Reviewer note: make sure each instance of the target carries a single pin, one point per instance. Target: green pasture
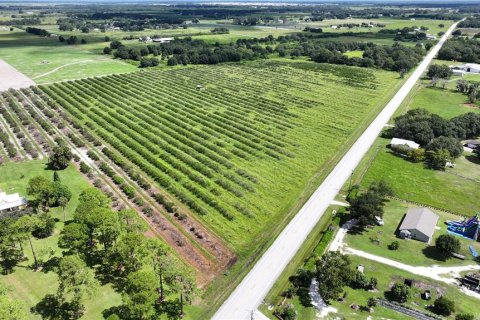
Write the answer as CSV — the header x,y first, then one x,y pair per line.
x,y
447,103
432,25
47,60
354,54
25,284
453,189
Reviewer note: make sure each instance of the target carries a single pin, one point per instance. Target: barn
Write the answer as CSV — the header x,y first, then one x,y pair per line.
x,y
419,224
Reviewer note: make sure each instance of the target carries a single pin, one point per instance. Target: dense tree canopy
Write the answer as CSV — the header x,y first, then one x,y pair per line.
x,y
446,245
444,306
366,206
60,157
333,272
459,49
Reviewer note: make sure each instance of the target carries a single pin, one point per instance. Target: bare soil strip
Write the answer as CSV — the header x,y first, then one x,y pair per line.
x,y
12,78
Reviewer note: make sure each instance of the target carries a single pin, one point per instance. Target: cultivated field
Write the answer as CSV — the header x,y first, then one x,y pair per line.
x,y
238,153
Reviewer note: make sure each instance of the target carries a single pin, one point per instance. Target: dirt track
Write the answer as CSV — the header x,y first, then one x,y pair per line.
x,y
12,78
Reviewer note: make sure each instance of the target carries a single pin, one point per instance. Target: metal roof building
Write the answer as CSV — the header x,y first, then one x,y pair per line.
x,y
11,202
419,224
400,142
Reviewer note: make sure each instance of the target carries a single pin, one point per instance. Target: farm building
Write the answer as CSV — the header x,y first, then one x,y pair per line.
x,y
11,202
472,144
467,67
162,40
419,224
401,142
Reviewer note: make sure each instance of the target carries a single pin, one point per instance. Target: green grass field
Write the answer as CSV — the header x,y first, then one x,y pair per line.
x,y
412,181
26,285
446,102
47,60
432,25
411,252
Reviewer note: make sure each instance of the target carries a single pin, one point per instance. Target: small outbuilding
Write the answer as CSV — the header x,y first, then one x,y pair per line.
x,y
419,224
472,144
11,202
400,142
468,67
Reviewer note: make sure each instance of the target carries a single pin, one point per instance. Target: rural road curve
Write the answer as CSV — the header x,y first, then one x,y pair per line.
x,y
254,287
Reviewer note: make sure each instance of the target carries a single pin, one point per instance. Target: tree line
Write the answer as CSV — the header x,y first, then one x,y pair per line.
x,y
439,138
460,49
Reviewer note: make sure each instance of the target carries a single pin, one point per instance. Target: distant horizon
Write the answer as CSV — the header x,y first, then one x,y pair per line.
x,y
236,2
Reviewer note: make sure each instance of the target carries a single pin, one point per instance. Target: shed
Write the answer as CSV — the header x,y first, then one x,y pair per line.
x,y
400,142
11,202
469,67
419,224
472,144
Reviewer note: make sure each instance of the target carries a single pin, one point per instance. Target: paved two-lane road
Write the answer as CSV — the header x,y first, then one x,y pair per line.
x,y
255,286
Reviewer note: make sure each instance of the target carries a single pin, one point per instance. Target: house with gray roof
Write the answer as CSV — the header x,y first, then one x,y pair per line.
x,y
419,224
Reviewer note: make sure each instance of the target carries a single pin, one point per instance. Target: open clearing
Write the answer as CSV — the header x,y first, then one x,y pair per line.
x,y
12,78
35,56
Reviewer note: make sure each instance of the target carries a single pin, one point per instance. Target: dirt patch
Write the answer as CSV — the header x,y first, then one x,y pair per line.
x,y
12,78
471,106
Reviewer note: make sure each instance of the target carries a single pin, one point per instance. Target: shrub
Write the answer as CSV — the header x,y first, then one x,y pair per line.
x,y
447,244
444,306
464,316
400,292
84,168
128,190
394,245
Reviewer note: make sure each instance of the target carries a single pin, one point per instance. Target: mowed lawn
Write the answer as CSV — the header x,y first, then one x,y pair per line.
x,y
26,285
47,60
447,103
454,189
411,252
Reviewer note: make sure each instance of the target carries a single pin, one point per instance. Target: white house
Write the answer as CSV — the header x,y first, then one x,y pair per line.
x,y
401,142
11,202
419,224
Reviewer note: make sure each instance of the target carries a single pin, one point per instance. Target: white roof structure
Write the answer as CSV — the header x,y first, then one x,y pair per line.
x,y
162,40
9,201
410,143
468,67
